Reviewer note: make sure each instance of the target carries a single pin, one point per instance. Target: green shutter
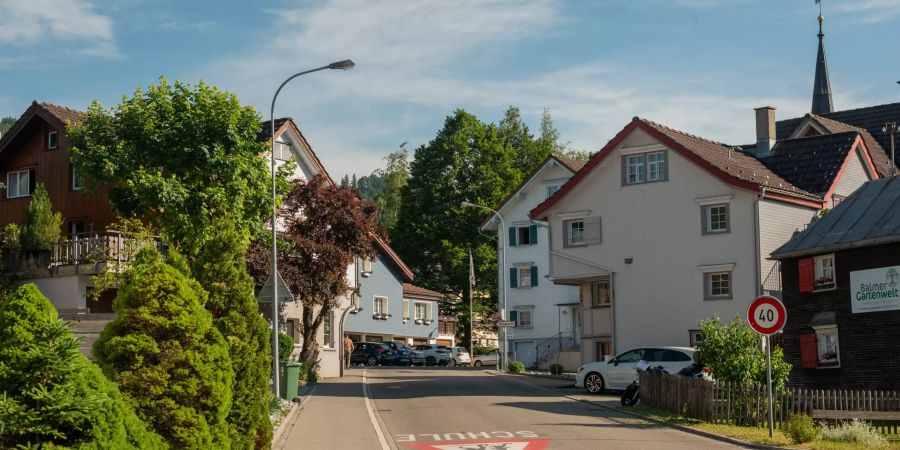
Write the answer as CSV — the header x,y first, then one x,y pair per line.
x,y
533,276
513,282
532,234
512,236
513,316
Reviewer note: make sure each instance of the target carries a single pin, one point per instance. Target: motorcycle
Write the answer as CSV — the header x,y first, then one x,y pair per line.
x,y
633,392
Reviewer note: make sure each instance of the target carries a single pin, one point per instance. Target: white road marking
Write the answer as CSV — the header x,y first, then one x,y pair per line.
x,y
381,439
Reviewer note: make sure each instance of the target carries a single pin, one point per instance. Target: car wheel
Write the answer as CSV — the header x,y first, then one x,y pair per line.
x,y
370,361
477,363
593,383
452,363
443,363
430,361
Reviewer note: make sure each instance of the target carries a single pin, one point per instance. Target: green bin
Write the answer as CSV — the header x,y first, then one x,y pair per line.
x,y
290,374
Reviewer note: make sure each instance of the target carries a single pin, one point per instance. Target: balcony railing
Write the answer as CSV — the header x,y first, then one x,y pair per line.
x,y
772,283
92,248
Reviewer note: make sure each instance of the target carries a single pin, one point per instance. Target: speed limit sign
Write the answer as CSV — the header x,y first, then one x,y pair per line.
x,y
766,315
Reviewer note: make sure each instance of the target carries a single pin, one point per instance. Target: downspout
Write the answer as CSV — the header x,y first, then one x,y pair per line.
x,y
344,315
756,240
612,312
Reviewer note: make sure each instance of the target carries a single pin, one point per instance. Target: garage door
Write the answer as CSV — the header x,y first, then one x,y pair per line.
x,y
445,342
525,352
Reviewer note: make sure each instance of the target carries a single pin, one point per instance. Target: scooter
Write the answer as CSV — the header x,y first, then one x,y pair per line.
x,y
632,393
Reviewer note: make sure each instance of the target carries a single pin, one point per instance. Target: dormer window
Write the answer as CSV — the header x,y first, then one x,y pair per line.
x,y
52,140
645,168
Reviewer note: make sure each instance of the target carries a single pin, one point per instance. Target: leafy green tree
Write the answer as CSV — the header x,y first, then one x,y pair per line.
x,y
41,228
395,176
221,269
50,394
6,123
166,356
734,354
516,135
178,156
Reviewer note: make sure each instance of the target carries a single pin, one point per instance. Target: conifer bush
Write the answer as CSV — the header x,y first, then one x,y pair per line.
x,y
50,394
166,356
221,269
41,228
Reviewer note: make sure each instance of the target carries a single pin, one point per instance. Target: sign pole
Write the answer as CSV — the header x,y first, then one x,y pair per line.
x,y
769,381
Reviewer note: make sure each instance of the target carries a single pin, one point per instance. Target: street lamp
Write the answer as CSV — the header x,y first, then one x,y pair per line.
x,y
892,129
346,64
501,256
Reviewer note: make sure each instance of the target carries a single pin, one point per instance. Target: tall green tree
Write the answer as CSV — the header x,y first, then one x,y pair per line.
x,y
222,270
41,228
395,176
178,156
166,356
50,394
6,123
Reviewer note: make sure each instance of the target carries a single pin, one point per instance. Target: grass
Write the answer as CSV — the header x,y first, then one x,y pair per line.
x,y
747,434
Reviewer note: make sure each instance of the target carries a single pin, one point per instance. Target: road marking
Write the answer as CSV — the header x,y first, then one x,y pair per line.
x,y
365,387
494,444
466,435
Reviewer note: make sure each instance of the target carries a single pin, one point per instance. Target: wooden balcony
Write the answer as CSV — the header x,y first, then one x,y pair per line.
x,y
83,253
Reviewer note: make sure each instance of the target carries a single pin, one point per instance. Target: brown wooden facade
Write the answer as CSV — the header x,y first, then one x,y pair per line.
x,y
25,147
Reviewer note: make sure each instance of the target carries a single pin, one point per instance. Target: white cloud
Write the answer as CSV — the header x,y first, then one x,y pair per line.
x,y
71,24
869,11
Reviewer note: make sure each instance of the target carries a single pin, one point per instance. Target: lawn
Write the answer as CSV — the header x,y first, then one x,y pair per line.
x,y
748,434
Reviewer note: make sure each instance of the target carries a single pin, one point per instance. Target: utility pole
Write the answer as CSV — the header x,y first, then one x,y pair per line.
x,y
471,308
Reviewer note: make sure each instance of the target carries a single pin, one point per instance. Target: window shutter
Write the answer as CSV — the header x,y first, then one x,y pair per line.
x,y
512,236
566,229
592,230
532,234
513,275
428,314
534,275
809,351
32,181
805,274
514,316
405,309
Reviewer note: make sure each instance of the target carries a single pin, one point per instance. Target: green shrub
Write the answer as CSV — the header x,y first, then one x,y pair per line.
x,y
733,353
515,367
800,428
50,394
556,369
166,355
41,228
855,432
483,350
285,347
312,374
10,239
221,270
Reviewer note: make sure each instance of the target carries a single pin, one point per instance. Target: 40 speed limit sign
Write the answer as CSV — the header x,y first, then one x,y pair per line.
x,y
766,315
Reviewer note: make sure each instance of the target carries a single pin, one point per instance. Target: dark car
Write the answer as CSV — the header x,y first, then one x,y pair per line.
x,y
371,353
400,354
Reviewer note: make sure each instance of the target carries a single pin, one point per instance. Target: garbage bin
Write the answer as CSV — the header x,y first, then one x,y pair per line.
x,y
290,374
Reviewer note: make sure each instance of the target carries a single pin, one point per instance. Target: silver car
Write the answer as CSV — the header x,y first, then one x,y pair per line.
x,y
487,359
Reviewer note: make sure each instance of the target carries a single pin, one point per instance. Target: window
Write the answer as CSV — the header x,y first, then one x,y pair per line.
x,y
523,317
602,349
827,346
289,329
380,306
576,232
551,190
696,337
628,357
600,293
526,235
52,140
422,311
77,180
824,272
717,285
18,184
76,227
283,152
645,168
525,276
715,219
327,326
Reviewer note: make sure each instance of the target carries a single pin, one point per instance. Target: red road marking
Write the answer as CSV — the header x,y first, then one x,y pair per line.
x,y
490,444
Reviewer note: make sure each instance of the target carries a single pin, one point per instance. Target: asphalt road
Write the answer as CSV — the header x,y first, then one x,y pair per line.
x,y
459,408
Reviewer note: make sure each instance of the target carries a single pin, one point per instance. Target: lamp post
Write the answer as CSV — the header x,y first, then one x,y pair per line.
x,y
504,355
346,64
892,129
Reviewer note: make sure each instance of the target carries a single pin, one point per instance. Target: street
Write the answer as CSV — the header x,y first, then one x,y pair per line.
x,y
460,408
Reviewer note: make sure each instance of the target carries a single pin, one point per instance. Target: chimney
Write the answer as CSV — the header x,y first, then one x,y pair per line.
x,y
765,131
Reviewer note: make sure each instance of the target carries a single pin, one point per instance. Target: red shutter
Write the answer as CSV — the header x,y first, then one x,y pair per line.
x,y
805,273
809,351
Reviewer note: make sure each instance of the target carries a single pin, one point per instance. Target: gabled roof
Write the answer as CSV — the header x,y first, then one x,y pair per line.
x,y
813,163
58,116
416,292
282,125
568,163
730,164
880,158
870,216
389,253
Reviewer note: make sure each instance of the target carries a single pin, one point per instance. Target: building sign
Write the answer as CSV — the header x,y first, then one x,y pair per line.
x,y
875,290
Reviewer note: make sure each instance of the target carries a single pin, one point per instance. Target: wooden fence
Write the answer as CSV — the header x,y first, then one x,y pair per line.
x,y
732,403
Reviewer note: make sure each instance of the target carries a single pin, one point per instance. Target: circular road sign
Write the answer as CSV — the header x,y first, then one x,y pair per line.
x,y
766,315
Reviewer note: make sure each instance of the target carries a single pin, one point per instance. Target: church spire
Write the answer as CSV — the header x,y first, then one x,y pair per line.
x,y
821,101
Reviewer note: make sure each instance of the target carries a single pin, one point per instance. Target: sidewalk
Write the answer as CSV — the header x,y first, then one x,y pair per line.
x,y
335,417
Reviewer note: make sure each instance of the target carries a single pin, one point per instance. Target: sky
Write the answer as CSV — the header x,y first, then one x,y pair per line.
x,y
696,65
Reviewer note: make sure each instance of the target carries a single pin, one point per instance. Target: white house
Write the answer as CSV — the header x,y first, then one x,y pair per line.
x,y
545,313
662,229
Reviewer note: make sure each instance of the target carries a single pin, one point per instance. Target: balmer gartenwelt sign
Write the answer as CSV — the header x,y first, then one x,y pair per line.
x,y
875,289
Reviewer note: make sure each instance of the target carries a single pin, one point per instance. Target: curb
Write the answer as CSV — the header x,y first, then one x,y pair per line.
x,y
564,376
288,421
686,429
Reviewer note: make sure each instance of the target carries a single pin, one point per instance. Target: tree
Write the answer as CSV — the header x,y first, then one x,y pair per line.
x,y
41,228
166,356
178,156
50,394
516,135
6,123
325,227
395,177
221,269
734,354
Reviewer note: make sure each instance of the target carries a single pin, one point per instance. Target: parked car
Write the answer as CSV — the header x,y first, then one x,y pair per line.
x,y
400,354
459,356
418,357
371,353
434,354
619,371
487,359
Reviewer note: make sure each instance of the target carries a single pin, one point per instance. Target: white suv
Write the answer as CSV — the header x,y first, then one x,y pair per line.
x,y
459,356
619,372
434,354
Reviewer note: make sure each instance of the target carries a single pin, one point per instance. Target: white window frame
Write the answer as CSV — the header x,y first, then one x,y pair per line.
x,y
646,167
526,233
383,301
659,167
571,224
822,266
552,190
524,273
709,280
52,143
18,183
280,151
827,342
597,300
712,226
424,311
524,312
636,169
328,330
695,337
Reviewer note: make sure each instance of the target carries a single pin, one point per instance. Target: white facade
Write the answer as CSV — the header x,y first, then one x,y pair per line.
x,y
546,313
